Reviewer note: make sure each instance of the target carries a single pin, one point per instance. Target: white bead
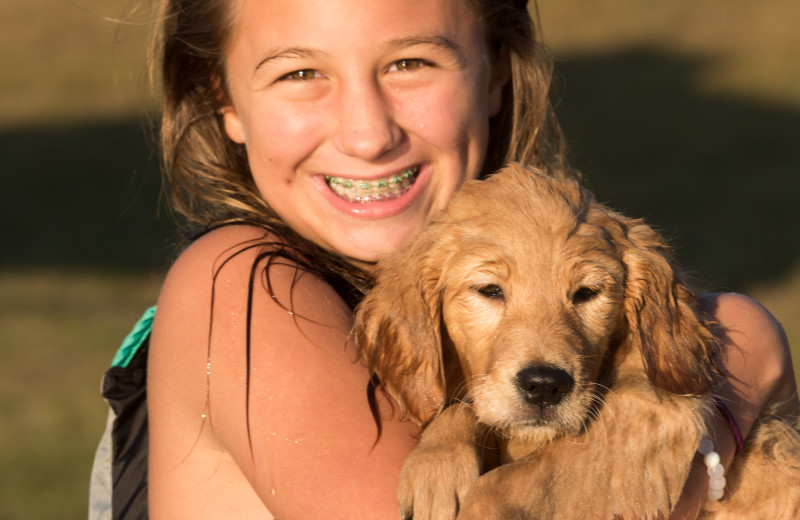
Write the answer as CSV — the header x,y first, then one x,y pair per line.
x,y
716,478
716,471
717,483
711,459
706,446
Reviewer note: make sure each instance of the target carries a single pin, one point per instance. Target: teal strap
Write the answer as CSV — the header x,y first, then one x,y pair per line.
x,y
135,339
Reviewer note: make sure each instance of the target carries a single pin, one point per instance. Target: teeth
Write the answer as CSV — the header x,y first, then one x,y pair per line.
x,y
373,191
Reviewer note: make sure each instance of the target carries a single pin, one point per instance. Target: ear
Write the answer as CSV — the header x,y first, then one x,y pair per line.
x,y
230,116
498,79
674,340
398,333
233,125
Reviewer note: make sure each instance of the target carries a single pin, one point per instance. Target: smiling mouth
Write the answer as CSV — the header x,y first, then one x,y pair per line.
x,y
376,190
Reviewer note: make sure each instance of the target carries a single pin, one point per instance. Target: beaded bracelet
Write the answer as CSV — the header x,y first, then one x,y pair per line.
x,y
716,473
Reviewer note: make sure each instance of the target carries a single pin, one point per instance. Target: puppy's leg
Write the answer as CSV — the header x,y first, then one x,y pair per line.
x,y
438,473
514,491
567,481
632,463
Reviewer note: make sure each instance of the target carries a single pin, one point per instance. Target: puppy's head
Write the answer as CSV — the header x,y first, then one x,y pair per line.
x,y
534,285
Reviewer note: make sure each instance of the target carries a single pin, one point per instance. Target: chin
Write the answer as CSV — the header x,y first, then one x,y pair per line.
x,y
371,247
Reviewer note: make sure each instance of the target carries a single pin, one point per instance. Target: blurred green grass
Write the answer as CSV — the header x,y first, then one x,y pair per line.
x,y
684,112
59,332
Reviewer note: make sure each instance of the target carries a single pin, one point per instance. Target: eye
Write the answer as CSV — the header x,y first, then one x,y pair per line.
x,y
408,65
301,75
585,294
491,291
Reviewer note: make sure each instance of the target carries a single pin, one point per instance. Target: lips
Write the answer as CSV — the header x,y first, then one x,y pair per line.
x,y
374,190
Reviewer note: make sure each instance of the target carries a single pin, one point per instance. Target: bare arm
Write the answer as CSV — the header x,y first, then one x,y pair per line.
x,y
756,362
305,446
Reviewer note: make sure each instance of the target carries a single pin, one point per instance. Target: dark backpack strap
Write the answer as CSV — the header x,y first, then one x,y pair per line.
x,y
125,389
118,489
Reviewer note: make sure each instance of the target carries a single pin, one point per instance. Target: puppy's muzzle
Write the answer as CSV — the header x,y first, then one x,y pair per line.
x,y
543,386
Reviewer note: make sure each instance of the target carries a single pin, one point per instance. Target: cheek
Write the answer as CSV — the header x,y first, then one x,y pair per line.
x,y
599,321
281,136
290,120
599,325
446,117
471,328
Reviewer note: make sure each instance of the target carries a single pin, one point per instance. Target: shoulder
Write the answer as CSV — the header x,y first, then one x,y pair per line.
x,y
220,327
223,269
229,284
206,288
215,261
228,309
754,350
203,260
232,307
743,316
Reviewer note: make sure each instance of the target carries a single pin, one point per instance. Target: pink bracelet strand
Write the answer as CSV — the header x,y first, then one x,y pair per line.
x,y
737,433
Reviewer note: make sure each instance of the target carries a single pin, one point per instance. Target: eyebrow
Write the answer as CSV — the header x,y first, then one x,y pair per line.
x,y
290,52
399,43
436,40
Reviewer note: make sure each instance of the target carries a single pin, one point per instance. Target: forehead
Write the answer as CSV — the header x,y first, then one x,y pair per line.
x,y
348,23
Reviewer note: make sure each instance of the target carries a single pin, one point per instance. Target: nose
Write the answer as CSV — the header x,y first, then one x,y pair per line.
x,y
544,385
367,128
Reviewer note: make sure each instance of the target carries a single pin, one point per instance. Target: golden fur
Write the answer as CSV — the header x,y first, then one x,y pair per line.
x,y
575,359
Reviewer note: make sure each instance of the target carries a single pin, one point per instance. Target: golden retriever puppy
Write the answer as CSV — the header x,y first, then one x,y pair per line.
x,y
558,363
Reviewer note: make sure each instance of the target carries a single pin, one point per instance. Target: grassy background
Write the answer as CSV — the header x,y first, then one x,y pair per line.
x,y
685,112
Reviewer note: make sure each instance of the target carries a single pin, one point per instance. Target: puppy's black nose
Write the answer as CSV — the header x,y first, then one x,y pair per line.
x,y
543,385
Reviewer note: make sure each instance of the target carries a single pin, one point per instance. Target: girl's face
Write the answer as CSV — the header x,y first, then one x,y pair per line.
x,y
361,118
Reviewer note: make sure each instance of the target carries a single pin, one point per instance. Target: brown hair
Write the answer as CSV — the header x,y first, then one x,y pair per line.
x,y
207,175
526,129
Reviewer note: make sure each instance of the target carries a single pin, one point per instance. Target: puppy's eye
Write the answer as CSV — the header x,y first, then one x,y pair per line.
x,y
492,291
585,294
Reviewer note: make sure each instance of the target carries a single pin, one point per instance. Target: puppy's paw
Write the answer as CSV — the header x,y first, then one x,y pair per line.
x,y
438,473
435,479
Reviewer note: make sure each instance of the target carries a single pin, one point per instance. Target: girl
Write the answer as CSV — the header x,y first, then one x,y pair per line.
x,y
307,138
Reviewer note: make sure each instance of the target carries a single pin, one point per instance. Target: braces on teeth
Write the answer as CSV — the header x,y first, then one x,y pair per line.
x,y
365,191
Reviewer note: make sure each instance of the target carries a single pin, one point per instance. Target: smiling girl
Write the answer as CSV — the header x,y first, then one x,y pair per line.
x,y
304,139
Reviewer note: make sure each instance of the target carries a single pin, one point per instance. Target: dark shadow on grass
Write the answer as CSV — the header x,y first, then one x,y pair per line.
x,y
82,195
719,175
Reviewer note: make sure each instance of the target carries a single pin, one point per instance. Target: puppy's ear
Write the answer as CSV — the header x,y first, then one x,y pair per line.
x,y
674,340
397,330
